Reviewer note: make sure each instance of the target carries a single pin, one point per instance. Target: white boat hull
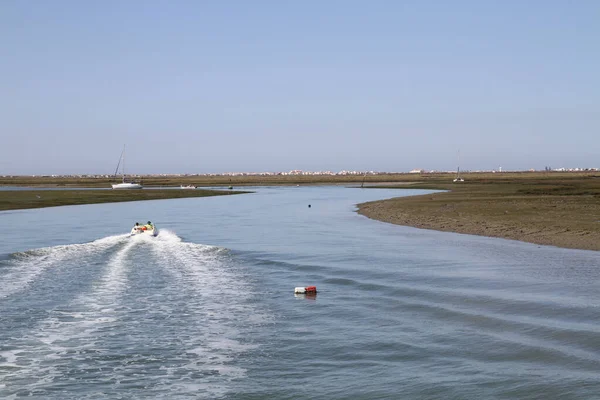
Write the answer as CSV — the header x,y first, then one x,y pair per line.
x,y
139,230
126,185
188,187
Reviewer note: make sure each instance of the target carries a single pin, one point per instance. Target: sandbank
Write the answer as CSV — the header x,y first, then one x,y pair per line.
x,y
563,214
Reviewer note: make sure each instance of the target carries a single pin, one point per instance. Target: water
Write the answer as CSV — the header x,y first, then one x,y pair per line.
x,y
207,310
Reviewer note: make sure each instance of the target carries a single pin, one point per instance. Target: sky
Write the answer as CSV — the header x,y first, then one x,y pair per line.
x,y
224,86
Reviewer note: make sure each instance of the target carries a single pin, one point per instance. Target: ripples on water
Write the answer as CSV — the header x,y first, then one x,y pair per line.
x,y
400,313
123,315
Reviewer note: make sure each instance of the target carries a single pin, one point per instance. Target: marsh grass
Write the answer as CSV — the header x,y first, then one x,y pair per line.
x,y
426,180
20,199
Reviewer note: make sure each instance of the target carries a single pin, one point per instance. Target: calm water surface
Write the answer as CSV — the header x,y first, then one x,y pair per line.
x,y
207,310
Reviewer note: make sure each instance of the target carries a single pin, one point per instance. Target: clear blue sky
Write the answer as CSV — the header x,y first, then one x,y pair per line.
x,y
216,86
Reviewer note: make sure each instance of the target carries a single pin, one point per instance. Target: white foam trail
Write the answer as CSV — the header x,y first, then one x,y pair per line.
x,y
24,267
67,336
220,294
208,332
113,282
198,266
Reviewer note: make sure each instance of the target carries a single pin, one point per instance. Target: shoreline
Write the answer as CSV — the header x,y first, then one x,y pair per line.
x,y
557,209
561,221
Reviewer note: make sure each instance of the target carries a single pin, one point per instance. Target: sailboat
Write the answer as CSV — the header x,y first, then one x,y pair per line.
x,y
458,178
124,185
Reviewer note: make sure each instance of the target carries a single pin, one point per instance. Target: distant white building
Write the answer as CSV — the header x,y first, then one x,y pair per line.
x,y
416,171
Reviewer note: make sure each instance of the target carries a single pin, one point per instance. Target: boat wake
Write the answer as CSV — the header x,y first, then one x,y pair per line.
x,y
154,307
21,269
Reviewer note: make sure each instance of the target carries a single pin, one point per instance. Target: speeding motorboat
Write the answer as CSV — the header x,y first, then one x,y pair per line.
x,y
148,229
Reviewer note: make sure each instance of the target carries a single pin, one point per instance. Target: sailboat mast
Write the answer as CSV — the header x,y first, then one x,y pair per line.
x,y
120,161
123,163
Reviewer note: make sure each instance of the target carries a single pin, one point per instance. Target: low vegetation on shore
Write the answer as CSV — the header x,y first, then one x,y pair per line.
x,y
21,199
210,180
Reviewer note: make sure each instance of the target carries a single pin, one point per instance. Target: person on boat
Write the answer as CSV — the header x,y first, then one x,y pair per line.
x,y
149,225
137,226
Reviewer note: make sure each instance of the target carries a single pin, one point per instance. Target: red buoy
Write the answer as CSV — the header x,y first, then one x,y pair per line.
x,y
306,290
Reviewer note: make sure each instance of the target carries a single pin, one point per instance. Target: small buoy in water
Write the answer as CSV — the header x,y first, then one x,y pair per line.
x,y
309,206
306,290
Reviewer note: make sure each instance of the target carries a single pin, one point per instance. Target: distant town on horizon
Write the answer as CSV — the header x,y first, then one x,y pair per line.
x,y
297,172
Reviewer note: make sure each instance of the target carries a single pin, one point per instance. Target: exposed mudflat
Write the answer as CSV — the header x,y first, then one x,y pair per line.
x,y
563,221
